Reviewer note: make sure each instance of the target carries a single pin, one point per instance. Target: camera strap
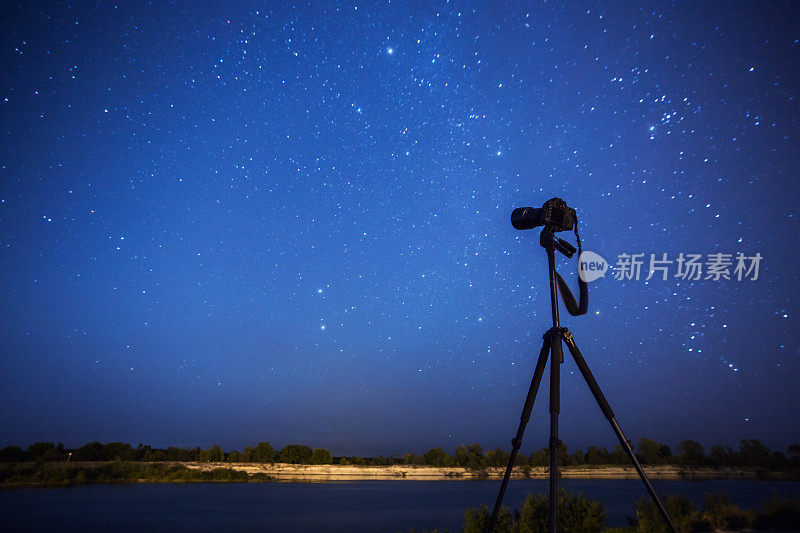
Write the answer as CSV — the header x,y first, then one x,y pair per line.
x,y
572,306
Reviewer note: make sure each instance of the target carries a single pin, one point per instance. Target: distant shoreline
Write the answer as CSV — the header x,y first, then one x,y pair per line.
x,y
64,474
326,473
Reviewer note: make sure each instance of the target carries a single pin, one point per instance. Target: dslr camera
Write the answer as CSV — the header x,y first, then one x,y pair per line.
x,y
555,215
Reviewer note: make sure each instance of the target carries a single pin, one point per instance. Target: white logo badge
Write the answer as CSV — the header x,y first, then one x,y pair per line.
x,y
591,266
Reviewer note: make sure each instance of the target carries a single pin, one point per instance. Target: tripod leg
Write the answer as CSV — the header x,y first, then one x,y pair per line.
x,y
526,415
557,357
609,414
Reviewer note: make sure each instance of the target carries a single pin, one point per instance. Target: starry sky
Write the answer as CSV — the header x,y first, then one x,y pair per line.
x,y
233,222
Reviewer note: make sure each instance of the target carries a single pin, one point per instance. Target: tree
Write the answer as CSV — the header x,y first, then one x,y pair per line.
x,y
192,454
521,460
143,453
44,451
690,453
247,455
155,455
12,454
118,451
321,456
216,454
794,454
652,452
263,453
461,455
575,458
618,456
794,451
91,451
437,457
497,457
295,453
475,458
540,457
720,456
597,456
753,453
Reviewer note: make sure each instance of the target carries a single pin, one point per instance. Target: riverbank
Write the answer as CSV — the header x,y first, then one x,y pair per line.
x,y
327,473
57,474
64,474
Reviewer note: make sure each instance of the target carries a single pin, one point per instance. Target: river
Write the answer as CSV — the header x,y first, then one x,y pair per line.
x,y
382,506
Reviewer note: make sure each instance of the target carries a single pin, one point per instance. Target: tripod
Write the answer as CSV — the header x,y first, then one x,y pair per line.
x,y
552,349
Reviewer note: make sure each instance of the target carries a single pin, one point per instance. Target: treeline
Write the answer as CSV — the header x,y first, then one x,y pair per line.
x,y
751,454
262,452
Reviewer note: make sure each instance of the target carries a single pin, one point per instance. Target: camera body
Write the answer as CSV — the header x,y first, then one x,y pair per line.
x,y
555,215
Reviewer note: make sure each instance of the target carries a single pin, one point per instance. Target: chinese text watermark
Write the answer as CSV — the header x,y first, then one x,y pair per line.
x,y
686,266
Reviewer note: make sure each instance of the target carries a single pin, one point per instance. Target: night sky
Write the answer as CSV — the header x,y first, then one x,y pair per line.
x,y
226,224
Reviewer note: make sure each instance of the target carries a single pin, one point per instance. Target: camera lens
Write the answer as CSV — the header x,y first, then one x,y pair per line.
x,y
526,217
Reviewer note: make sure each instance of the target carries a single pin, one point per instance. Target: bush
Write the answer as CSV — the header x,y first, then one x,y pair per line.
x,y
680,510
576,514
721,514
779,514
477,520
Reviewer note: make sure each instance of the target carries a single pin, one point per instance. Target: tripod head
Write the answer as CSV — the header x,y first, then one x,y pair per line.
x,y
550,242
558,243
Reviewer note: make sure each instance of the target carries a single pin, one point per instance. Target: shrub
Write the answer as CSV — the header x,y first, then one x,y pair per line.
x,y
721,514
779,514
682,512
477,520
576,514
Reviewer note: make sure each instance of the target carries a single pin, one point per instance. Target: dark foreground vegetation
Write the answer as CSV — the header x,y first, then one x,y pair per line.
x,y
66,474
577,513
751,454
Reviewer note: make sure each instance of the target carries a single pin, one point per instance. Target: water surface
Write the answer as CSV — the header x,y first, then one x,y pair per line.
x,y
382,506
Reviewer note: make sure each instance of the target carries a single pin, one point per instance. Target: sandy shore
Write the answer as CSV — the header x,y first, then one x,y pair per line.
x,y
292,472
